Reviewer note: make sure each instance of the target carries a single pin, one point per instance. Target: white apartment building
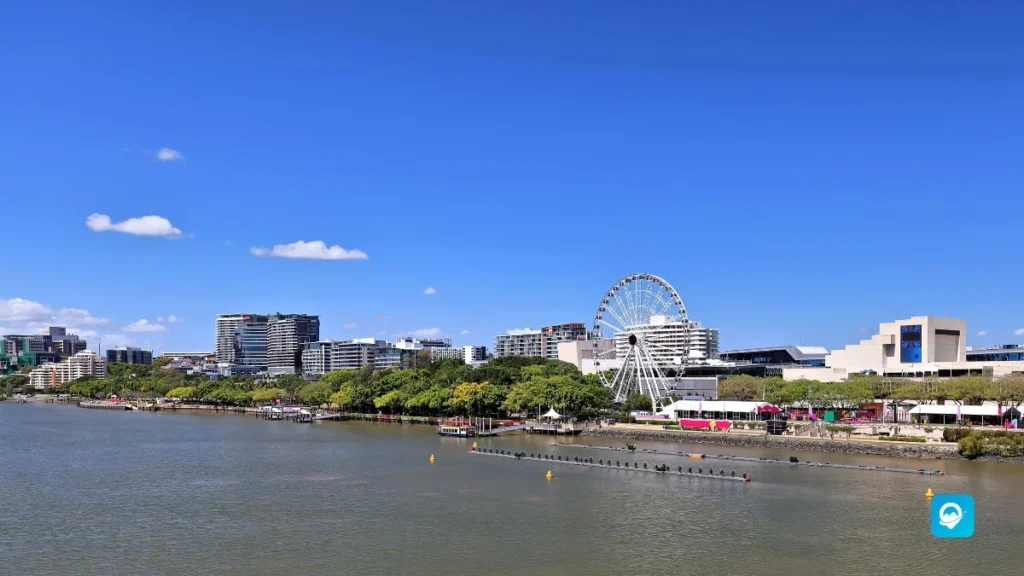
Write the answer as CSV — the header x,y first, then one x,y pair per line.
x,y
354,354
448,353
316,358
524,342
674,342
85,363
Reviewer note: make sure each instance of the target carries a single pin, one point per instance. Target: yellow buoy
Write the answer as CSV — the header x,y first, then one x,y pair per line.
x,y
431,457
549,475
474,445
929,493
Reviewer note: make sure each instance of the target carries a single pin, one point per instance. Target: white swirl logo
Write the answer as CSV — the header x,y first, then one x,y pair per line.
x,y
950,515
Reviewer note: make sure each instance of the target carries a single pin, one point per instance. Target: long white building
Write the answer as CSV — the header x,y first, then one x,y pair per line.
x,y
918,346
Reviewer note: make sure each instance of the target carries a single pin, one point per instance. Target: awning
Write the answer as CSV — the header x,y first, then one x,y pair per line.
x,y
552,414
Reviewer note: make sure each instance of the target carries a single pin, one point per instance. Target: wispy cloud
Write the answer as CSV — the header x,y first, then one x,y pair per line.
x,y
465,332
32,314
426,332
430,291
143,226
1018,332
382,317
350,325
171,319
315,250
982,333
169,155
144,325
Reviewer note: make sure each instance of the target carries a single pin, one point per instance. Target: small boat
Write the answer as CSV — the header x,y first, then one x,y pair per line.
x,y
304,416
456,428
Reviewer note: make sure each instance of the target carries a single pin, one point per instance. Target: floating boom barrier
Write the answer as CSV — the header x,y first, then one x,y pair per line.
x,y
792,459
634,466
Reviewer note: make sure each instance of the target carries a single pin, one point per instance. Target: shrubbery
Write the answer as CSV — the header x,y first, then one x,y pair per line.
x,y
991,443
954,434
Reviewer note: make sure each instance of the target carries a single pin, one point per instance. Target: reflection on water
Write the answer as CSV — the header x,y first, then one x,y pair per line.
x,y
98,493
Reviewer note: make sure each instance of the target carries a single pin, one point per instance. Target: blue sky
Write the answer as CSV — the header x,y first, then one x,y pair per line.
x,y
799,171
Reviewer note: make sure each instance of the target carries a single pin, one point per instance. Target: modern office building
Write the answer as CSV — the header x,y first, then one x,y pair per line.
x,y
524,342
392,357
85,363
316,358
196,356
778,356
129,355
552,335
286,333
474,354
63,343
356,353
1004,353
242,339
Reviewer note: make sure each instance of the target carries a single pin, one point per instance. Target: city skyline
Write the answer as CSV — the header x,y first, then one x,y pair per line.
x,y
448,170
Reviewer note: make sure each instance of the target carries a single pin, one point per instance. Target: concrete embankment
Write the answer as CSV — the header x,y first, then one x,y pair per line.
x,y
898,450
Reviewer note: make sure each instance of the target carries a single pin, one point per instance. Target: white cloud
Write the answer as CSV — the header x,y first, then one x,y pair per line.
x,y
15,310
426,332
78,317
173,319
982,333
1018,332
144,226
144,325
465,332
315,250
19,312
108,341
430,291
169,155
350,325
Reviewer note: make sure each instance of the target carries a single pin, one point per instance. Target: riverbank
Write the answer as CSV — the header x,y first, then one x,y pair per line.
x,y
891,449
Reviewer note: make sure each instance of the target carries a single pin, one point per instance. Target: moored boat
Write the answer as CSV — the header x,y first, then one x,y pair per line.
x,y
456,428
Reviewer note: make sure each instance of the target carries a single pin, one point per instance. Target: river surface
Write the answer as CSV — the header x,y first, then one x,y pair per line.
x,y
91,492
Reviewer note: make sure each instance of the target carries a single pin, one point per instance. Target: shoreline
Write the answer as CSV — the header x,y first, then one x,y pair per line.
x,y
889,449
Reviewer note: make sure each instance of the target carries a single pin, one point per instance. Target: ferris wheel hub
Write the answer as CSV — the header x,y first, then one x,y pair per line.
x,y
632,339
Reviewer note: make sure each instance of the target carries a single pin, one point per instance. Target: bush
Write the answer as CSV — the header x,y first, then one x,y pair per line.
x,y
991,442
928,429
902,438
970,446
955,434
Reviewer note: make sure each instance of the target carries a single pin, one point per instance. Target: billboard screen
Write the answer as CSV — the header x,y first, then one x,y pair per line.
x,y
910,343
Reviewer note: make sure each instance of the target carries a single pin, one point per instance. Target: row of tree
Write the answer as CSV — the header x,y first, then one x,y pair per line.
x,y
1007,390
446,387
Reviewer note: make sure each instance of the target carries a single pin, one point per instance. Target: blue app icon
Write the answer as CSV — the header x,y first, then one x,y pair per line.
x,y
952,515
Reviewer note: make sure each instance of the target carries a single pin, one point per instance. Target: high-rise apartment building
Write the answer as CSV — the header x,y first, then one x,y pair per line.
x,y
524,342
286,333
552,335
703,341
37,349
129,355
242,339
471,354
446,353
541,343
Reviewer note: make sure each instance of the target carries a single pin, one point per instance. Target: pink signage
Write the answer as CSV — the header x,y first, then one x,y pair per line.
x,y
705,424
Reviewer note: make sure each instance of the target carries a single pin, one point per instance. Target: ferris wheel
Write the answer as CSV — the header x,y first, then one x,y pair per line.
x,y
641,337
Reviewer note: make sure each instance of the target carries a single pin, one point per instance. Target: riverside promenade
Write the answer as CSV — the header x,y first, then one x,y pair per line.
x,y
942,451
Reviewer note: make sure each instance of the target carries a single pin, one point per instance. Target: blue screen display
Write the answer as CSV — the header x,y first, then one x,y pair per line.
x,y
910,343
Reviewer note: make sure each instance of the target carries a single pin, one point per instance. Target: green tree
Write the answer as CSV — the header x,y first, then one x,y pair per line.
x,y
638,402
393,402
315,393
182,393
741,387
1008,391
264,395
434,401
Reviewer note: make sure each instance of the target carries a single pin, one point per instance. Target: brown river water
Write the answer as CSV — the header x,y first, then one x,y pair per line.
x,y
89,492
